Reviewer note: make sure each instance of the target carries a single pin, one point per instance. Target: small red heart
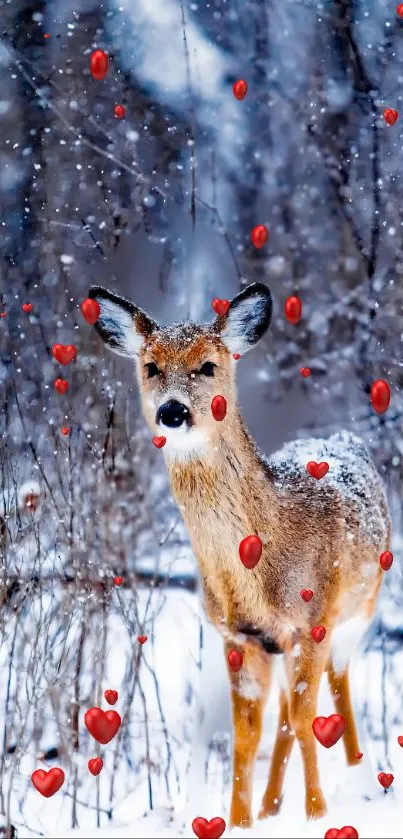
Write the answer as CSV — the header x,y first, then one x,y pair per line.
x,y
385,560
307,595
47,783
27,307
346,832
380,396
119,111
219,408
240,89
400,741
318,633
103,725
118,581
328,730
212,829
317,470
65,430
91,310
235,660
159,442
46,35
111,696
359,755
385,779
61,385
220,306
259,235
390,116
142,639
293,309
236,356
250,551
305,372
95,765
64,353
3,314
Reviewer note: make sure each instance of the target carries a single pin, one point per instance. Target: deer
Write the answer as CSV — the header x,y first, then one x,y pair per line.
x,y
323,534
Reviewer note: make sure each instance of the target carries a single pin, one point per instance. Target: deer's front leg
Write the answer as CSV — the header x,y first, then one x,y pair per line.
x,y
304,675
249,689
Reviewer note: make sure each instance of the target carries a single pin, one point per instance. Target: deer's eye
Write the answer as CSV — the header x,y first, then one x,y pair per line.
x,y
152,369
207,369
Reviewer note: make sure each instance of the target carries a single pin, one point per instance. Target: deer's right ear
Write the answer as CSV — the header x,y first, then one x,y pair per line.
x,y
122,326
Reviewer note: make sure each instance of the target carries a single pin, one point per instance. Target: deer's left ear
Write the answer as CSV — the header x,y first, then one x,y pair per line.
x,y
247,319
122,326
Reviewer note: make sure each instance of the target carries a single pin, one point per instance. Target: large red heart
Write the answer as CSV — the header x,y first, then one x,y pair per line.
x,y
317,470
385,779
328,730
47,783
212,829
64,353
346,832
103,725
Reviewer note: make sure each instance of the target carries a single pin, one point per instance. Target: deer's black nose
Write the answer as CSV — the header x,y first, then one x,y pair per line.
x,y
173,414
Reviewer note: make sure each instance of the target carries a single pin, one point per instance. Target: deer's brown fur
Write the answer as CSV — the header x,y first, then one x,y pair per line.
x,y
325,535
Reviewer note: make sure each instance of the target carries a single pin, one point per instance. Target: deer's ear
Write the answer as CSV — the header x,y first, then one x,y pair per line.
x,y
122,326
247,319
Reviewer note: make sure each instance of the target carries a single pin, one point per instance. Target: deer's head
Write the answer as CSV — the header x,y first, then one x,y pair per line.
x,y
180,368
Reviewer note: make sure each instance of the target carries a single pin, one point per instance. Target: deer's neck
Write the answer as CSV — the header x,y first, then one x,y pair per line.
x,y
229,483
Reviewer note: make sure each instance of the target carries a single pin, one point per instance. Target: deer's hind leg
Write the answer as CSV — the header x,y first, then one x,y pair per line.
x,y
284,742
249,690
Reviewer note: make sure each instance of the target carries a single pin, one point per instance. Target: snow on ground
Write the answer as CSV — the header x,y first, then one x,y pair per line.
x,y
172,651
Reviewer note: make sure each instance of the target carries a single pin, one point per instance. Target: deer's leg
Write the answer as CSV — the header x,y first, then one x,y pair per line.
x,y
340,688
249,689
304,675
284,742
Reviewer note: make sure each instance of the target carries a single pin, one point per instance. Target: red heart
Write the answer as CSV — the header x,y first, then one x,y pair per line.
x,y
64,354
305,372
111,696
385,560
47,783
250,551
235,660
236,356
385,779
400,740
159,442
307,595
346,832
318,633
91,310
219,408
27,307
220,306
390,116
359,755
142,639
212,829
65,430
328,730
103,725
61,385
95,765
118,581
317,470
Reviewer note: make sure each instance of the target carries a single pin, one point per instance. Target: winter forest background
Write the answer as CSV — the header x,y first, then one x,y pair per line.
x,y
159,206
